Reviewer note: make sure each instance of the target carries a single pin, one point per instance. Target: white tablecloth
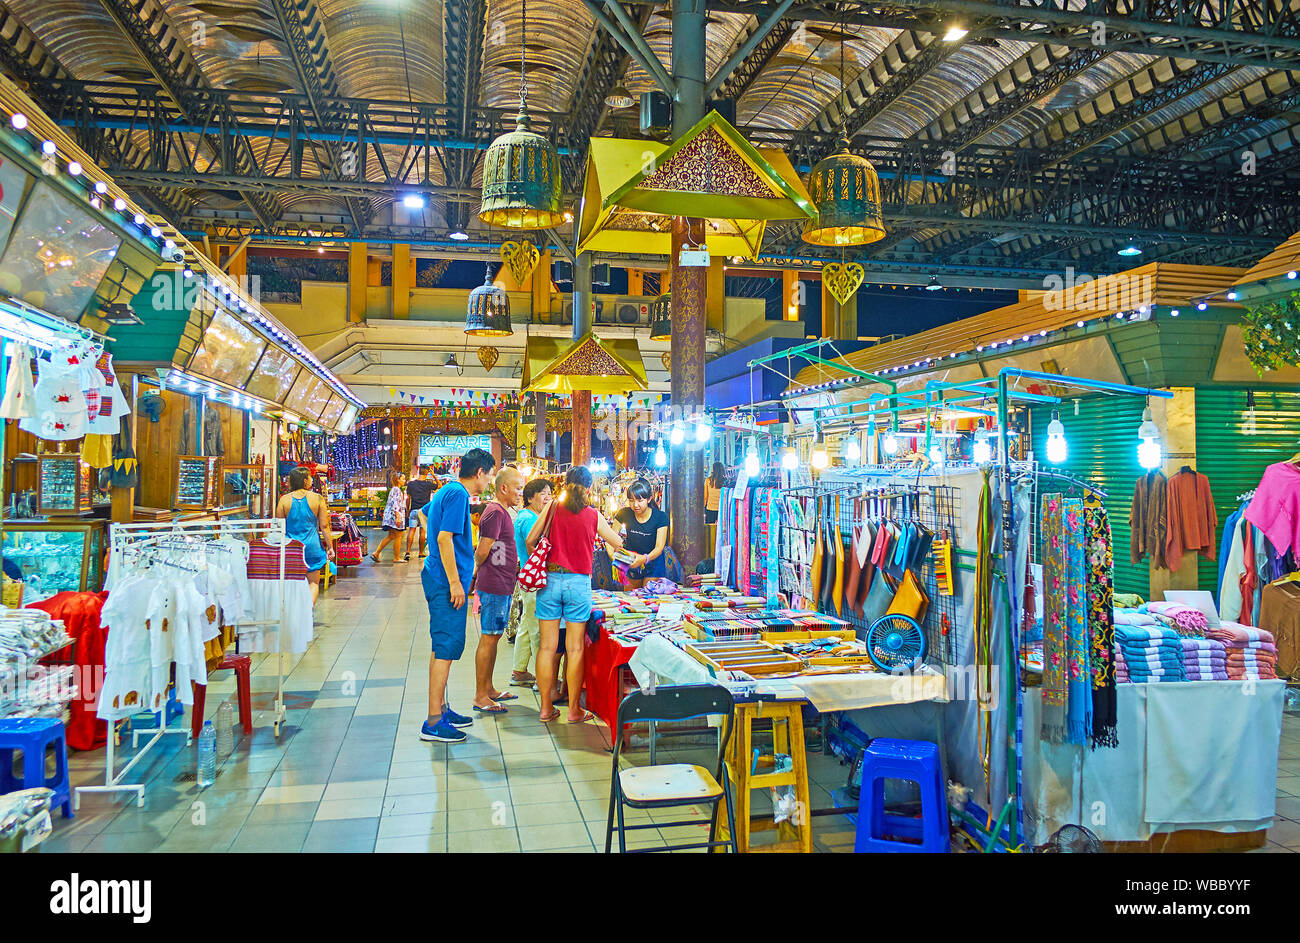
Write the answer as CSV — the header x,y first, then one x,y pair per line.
x,y
1191,755
829,692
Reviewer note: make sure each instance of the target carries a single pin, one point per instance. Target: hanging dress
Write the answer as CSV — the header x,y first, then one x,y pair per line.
x,y
264,588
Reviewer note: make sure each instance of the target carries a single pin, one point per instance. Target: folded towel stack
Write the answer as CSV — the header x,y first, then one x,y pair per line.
x,y
1251,652
1186,620
1205,659
1150,653
1121,668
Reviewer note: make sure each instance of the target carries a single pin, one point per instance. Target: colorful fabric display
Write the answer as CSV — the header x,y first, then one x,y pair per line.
x,y
1133,617
1187,621
1230,633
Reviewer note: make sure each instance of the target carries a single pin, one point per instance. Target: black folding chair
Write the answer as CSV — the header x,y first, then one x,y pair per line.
x,y
676,784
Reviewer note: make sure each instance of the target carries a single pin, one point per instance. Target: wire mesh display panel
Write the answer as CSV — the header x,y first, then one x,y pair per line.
x,y
936,509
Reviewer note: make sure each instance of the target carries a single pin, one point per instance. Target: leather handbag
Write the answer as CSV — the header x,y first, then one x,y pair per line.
x,y
879,598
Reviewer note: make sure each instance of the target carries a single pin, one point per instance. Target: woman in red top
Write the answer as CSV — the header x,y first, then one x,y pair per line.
x,y
571,524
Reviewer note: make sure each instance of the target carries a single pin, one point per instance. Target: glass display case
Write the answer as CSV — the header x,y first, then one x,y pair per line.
x,y
63,484
249,487
197,485
56,555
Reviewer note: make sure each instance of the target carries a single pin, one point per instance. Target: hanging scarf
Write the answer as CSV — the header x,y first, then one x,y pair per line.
x,y
1053,555
984,621
1077,641
1101,630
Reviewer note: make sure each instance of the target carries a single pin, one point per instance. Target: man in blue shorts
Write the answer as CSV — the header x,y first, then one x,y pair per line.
x,y
445,577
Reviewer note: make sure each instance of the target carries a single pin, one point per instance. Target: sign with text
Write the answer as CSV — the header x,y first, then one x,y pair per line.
x,y
435,447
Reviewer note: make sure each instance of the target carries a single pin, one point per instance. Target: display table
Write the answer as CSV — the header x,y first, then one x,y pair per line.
x,y
602,668
1196,755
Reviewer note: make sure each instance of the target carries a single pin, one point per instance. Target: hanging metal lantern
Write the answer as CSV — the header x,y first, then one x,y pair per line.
x,y
661,314
846,191
488,312
521,171
521,181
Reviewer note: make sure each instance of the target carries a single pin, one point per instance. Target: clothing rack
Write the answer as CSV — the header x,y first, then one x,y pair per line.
x,y
151,540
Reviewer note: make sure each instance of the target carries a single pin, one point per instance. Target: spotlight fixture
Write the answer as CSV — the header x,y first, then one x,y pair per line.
x,y
933,284
413,201
619,97
1129,250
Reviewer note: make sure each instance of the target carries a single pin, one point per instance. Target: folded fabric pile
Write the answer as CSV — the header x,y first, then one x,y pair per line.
x,y
1251,652
1205,659
1150,653
1121,667
1185,620
1132,617
1127,600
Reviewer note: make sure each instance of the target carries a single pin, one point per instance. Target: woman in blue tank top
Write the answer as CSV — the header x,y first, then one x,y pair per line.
x,y
307,520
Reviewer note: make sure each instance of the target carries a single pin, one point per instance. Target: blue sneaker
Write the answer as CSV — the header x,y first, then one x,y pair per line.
x,y
456,720
442,732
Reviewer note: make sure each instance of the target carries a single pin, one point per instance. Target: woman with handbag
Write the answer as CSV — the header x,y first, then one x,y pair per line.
x,y
566,536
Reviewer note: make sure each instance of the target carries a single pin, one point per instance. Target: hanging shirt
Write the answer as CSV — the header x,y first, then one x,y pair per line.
x,y
1275,508
1192,519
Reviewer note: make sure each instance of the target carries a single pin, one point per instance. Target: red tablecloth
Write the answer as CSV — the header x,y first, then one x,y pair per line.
x,y
603,660
80,615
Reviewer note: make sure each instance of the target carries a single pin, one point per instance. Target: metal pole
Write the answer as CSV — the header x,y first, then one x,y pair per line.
x,y
688,64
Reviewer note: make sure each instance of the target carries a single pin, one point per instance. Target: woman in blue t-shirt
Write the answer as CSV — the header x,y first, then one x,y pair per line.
x,y
647,534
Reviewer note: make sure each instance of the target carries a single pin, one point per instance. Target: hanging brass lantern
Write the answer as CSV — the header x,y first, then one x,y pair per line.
x,y
661,314
488,312
846,191
521,171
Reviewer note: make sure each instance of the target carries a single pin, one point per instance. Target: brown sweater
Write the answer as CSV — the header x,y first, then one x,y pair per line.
x,y
1147,521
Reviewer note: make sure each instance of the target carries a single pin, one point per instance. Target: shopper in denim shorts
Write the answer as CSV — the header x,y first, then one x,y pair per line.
x,y
571,524
496,568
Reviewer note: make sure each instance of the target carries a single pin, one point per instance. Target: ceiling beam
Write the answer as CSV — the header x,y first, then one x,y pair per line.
x,y
145,24
1263,33
304,34
751,67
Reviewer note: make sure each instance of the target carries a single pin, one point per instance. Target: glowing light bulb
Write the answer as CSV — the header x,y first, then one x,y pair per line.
x,y
789,459
752,466
936,454
852,450
677,436
660,458
820,459
703,431
1149,452
983,452
1057,448
890,444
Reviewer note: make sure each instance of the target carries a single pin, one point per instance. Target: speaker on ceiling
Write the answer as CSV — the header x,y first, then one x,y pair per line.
x,y
656,113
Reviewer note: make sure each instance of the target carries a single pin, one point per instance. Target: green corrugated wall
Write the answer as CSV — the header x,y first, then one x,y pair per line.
x,y
1234,461
1103,450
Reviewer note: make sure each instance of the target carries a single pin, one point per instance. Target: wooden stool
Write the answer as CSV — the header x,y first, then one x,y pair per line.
x,y
787,738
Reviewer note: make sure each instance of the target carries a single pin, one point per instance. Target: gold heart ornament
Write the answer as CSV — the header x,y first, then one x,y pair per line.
x,y
842,279
666,360
520,258
488,357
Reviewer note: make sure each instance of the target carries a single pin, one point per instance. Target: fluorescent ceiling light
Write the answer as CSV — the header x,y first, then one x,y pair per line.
x,y
955,33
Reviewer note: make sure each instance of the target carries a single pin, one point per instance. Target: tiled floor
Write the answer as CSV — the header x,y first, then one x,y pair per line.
x,y
349,773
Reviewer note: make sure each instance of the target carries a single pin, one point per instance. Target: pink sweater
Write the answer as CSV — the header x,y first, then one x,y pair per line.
x,y
1275,508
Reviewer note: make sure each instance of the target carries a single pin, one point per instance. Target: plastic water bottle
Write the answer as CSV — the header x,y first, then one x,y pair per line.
x,y
225,729
207,755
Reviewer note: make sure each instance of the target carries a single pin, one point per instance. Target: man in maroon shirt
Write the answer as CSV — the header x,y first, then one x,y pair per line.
x,y
496,564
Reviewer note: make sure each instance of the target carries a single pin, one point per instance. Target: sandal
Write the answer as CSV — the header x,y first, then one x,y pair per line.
x,y
373,558
524,680
546,720
506,696
494,709
406,559
586,716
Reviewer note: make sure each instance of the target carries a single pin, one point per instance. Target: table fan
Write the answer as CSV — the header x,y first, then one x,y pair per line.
x,y
896,642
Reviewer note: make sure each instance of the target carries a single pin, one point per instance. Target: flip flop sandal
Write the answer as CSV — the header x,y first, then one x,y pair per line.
x,y
373,558
586,716
525,682
506,696
547,720
495,709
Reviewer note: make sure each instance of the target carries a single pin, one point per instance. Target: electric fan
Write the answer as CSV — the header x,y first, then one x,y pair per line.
x,y
1071,839
896,642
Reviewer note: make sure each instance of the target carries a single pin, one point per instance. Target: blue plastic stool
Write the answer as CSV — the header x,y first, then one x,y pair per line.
x,y
34,736
915,761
